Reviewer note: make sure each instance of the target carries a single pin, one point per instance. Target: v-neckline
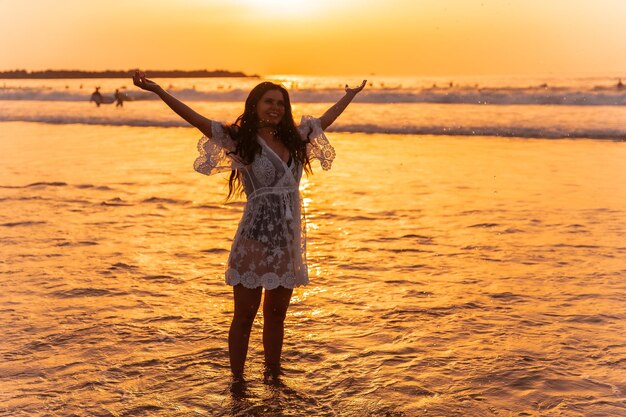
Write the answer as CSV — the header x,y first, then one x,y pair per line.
x,y
286,164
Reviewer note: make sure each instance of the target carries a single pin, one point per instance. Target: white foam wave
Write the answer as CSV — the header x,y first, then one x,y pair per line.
x,y
498,131
435,130
457,95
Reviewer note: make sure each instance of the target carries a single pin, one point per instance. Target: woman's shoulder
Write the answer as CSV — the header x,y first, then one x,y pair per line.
x,y
224,131
309,124
307,119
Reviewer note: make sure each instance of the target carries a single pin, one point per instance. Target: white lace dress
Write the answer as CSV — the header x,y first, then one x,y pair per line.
x,y
269,248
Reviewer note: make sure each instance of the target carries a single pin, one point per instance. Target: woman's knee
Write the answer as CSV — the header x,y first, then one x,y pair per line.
x,y
274,314
244,317
243,321
247,303
276,305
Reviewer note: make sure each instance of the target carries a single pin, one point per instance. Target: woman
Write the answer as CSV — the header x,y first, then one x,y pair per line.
x,y
266,155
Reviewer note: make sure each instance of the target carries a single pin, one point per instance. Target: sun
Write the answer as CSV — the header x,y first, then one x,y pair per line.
x,y
284,7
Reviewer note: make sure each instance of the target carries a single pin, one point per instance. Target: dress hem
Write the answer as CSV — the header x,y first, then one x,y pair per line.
x,y
269,280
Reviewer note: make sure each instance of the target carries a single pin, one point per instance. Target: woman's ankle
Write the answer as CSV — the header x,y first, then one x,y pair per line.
x,y
237,375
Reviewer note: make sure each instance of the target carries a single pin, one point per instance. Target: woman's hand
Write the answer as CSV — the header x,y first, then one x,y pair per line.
x,y
356,90
140,80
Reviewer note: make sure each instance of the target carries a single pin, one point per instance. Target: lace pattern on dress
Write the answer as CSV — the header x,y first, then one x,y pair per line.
x,y
269,248
319,147
264,170
216,153
269,280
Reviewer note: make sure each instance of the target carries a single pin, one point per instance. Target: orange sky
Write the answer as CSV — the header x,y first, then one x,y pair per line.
x,y
390,37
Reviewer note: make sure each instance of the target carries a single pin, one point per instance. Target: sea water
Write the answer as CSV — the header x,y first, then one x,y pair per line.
x,y
452,273
548,107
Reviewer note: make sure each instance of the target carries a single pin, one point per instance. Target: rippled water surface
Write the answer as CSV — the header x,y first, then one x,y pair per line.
x,y
449,277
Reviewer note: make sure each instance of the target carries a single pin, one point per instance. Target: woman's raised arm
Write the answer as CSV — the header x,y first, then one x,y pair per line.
x,y
331,114
195,119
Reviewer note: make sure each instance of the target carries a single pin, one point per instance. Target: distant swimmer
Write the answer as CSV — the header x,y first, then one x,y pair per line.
x,y
99,99
119,99
96,96
620,85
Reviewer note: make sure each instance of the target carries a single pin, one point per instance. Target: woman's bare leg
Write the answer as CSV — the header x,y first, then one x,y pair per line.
x,y
247,303
275,307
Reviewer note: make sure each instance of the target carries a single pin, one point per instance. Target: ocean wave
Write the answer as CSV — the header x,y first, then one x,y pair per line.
x,y
542,132
540,95
37,184
24,223
539,132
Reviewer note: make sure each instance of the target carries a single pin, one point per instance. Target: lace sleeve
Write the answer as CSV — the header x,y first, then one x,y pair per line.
x,y
317,146
216,154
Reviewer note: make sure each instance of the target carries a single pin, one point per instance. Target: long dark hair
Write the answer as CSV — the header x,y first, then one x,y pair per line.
x,y
244,132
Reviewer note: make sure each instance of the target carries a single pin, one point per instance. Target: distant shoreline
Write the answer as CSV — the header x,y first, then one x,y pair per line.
x,y
65,74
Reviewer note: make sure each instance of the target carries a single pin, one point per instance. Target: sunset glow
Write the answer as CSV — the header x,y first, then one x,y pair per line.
x,y
403,37
290,8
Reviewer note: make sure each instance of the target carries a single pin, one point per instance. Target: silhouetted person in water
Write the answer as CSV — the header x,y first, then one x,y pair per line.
x,y
119,99
620,85
96,96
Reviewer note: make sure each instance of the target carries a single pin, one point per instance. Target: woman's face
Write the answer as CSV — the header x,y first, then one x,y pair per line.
x,y
271,108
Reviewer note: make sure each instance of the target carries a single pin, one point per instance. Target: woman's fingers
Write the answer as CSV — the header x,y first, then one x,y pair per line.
x,y
356,89
139,79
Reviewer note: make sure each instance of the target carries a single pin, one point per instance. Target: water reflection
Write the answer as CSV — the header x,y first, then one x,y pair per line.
x,y
436,291
271,402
